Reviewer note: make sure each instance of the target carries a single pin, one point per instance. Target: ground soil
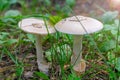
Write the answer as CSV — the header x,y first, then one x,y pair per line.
x,y
90,7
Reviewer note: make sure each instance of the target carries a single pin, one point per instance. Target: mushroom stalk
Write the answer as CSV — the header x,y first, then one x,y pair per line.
x,y
42,65
77,50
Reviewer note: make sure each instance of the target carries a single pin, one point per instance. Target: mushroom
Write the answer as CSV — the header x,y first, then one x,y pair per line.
x,y
39,29
78,26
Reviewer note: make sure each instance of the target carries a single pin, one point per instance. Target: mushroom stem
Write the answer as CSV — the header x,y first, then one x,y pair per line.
x,y
78,63
42,65
77,50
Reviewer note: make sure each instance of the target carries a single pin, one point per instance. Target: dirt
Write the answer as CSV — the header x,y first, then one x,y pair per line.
x,y
90,7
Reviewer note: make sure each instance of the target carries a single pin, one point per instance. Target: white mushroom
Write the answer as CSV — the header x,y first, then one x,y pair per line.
x,y
39,29
78,26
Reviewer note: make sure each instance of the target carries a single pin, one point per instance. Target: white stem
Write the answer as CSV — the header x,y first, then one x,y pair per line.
x,y
77,50
42,65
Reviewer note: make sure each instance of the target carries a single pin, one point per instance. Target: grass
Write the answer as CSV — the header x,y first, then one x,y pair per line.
x,y
101,50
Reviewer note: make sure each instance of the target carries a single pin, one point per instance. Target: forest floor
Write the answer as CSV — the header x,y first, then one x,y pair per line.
x,y
90,7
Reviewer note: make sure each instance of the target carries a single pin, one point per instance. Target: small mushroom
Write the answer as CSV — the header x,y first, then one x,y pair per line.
x,y
39,29
78,26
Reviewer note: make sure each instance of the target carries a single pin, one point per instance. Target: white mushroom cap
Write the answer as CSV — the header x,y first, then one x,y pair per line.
x,y
35,26
73,26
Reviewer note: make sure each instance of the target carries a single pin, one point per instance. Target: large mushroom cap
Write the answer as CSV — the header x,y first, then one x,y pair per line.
x,y
72,25
35,26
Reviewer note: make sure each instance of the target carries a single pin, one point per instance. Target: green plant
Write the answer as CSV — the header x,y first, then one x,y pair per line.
x,y
19,65
110,42
111,32
59,54
42,75
70,3
73,76
5,4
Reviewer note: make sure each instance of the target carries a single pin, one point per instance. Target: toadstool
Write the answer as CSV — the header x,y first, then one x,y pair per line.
x,y
39,29
78,26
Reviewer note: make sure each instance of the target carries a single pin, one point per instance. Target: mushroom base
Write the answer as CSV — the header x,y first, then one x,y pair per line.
x,y
80,68
43,67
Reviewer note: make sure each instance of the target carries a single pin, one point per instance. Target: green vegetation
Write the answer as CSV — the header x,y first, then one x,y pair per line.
x,y
17,50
